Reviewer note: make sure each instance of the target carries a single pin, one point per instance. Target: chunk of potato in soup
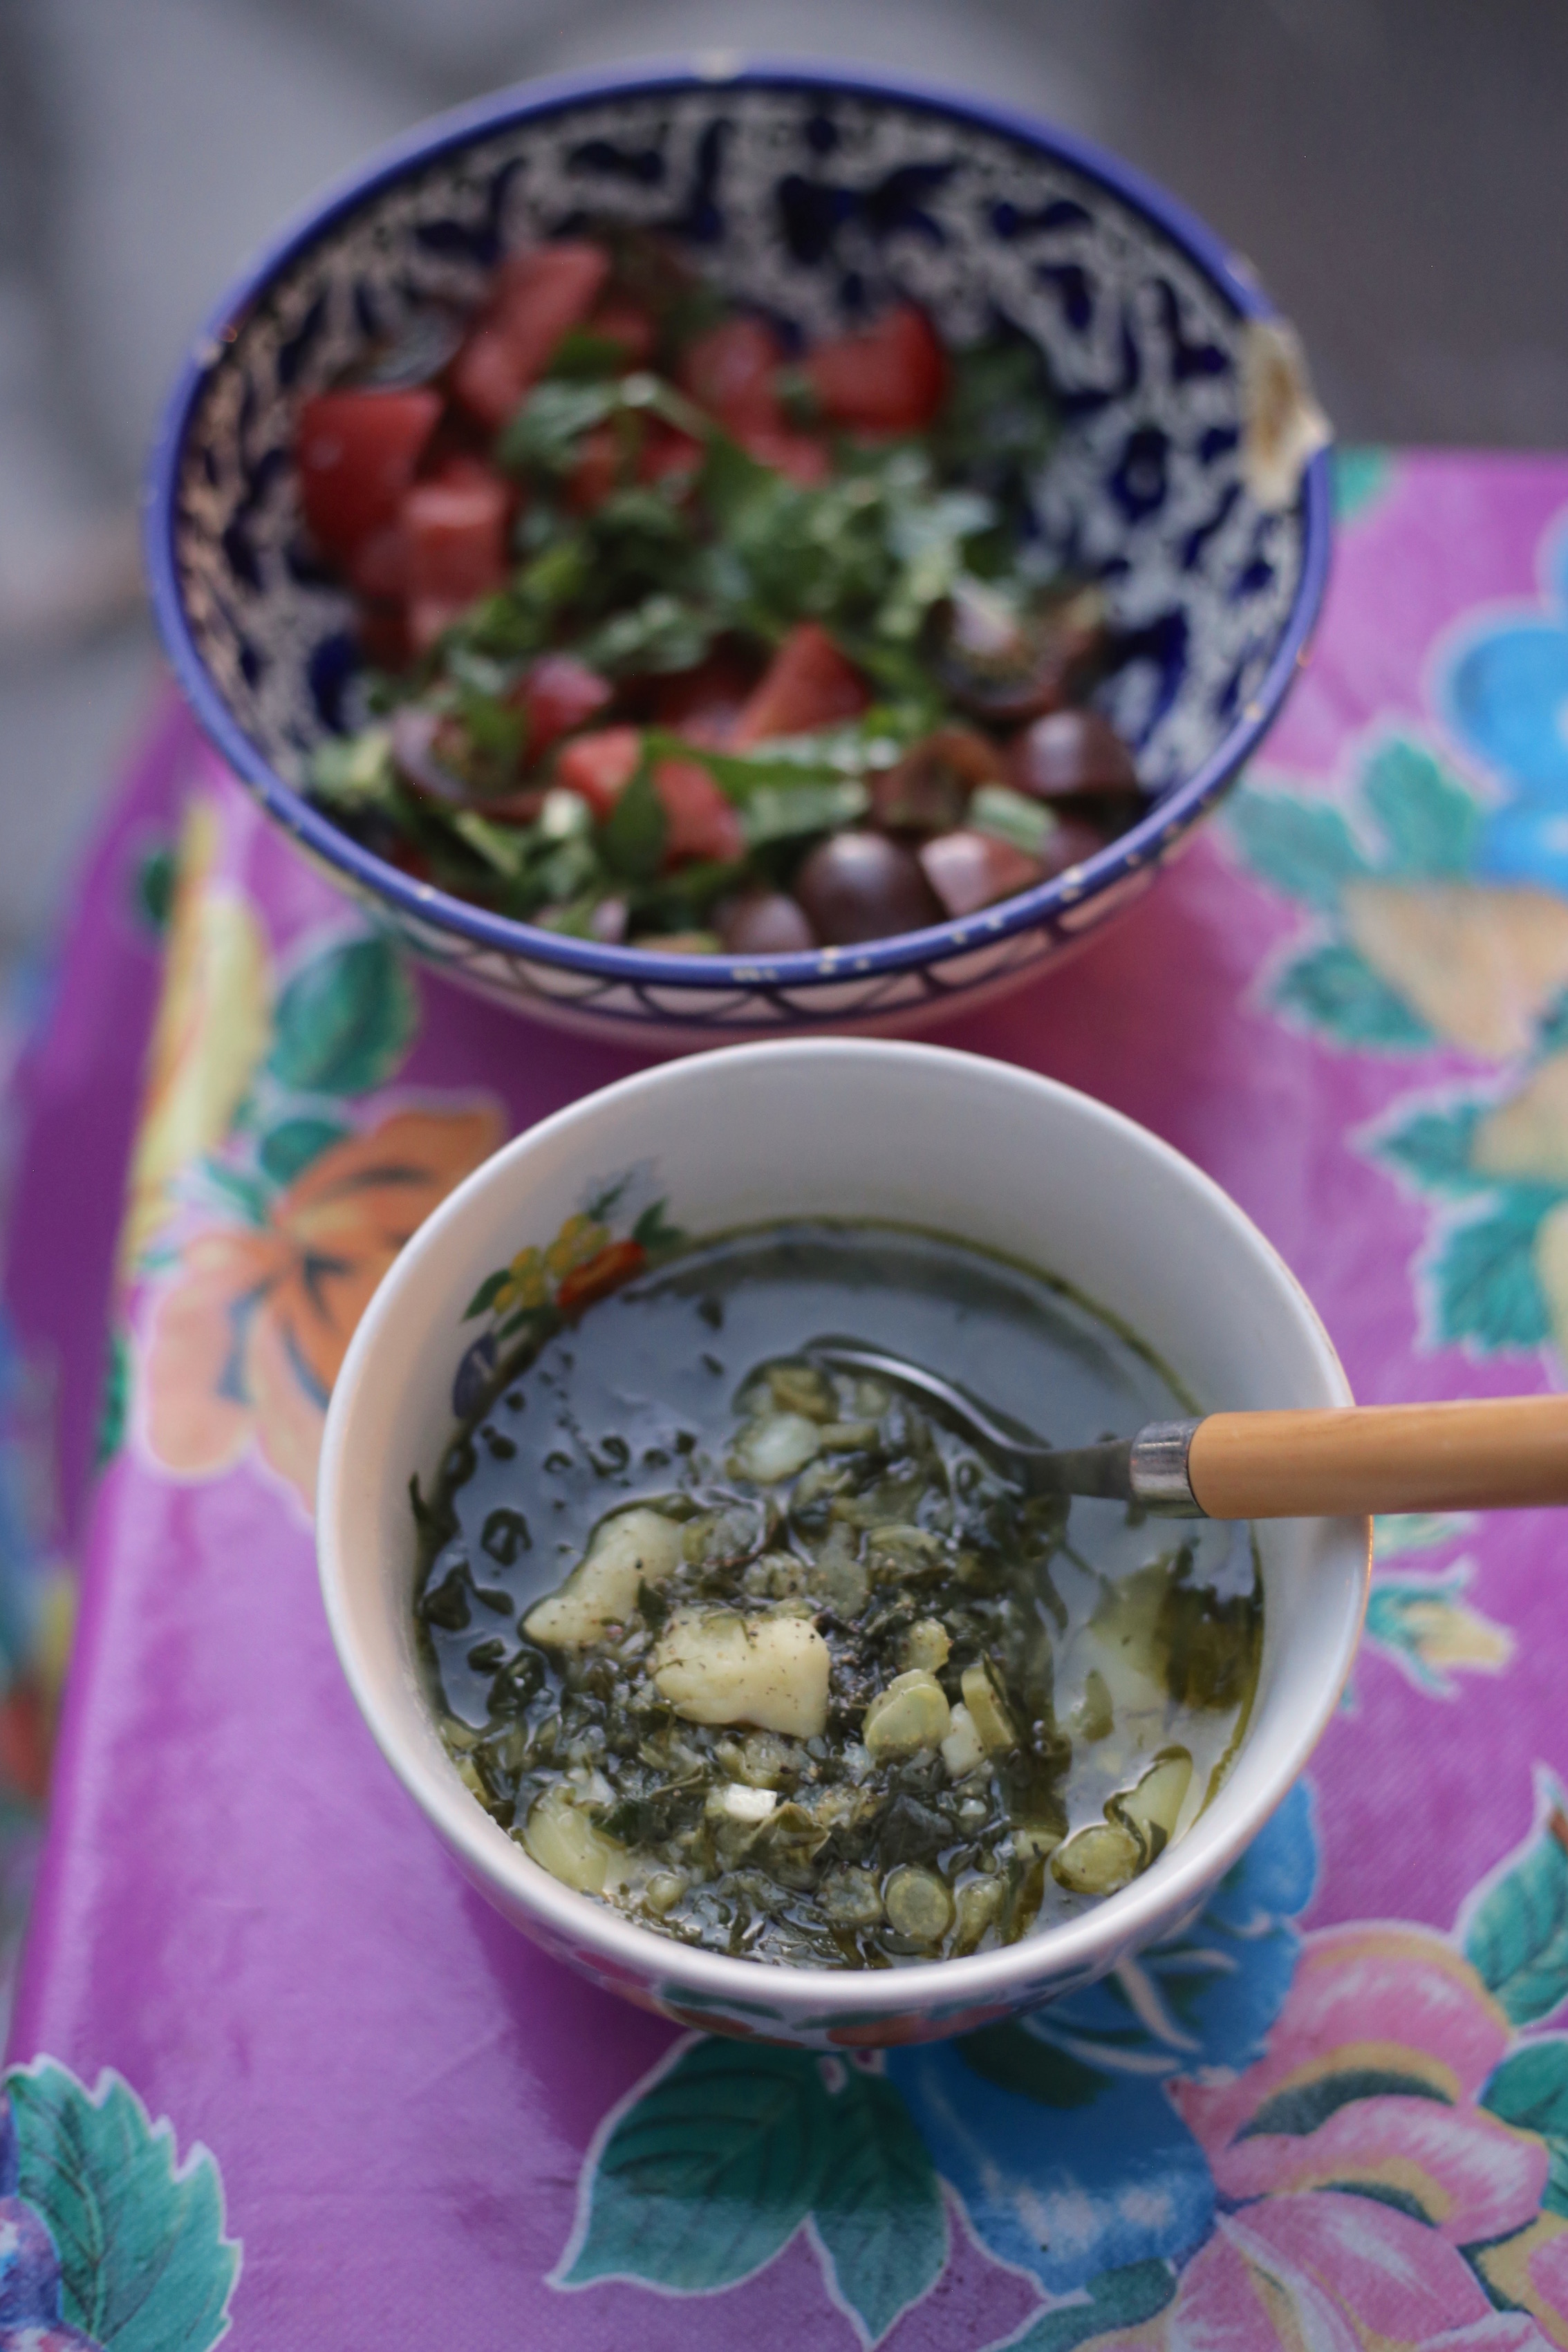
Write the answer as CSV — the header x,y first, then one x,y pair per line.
x,y
775,1661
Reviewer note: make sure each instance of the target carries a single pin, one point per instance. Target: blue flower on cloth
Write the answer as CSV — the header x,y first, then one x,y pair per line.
x,y
1110,2175
1504,696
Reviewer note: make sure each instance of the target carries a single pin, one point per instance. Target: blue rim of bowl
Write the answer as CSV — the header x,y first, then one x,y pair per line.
x,y
1170,817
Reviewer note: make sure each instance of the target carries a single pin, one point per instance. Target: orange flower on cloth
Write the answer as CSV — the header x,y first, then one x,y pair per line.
x,y
247,1338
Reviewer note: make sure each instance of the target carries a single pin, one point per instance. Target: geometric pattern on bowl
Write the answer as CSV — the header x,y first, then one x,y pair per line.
x,y
813,196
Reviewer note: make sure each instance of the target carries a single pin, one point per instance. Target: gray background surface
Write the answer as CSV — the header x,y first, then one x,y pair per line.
x,y
1395,169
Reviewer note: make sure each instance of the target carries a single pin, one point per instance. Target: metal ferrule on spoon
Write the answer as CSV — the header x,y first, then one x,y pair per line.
x,y
1492,1454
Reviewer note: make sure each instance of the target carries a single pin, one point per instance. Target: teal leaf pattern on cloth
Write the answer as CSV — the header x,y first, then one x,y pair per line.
x,y
878,2214
1432,1149
1530,2090
145,2263
345,1020
1303,848
708,2172
1430,823
1516,1934
287,1149
1115,2299
1484,1288
1333,989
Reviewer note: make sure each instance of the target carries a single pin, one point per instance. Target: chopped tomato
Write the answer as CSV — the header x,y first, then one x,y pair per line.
x,y
664,452
807,684
628,324
539,297
889,378
378,568
385,635
429,617
600,766
593,476
797,455
699,821
705,703
729,371
357,452
457,539
558,694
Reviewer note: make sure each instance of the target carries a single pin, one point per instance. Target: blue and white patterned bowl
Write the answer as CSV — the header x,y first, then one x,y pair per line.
x,y
815,194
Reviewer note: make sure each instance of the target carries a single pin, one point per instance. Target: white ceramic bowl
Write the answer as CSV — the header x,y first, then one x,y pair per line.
x,y
846,1128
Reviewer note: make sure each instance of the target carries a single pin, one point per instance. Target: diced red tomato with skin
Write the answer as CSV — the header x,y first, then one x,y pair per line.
x,y
559,693
808,684
889,378
385,638
628,324
705,704
595,472
357,453
664,452
729,371
539,297
378,568
429,617
794,455
456,532
700,820
600,766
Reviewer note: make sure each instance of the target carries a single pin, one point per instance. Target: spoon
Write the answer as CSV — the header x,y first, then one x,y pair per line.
x,y
1494,1454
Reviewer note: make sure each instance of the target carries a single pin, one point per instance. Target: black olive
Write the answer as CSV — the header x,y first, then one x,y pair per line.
x,y
765,922
861,886
1005,663
1070,752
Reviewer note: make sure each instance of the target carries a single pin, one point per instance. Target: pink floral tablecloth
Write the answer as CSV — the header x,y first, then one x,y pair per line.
x,y
276,2071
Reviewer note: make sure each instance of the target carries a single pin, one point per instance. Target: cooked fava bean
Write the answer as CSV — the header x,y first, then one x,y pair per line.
x,y
912,1713
717,1666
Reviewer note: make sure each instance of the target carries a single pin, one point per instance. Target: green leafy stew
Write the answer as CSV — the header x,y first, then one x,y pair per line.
x,y
775,1661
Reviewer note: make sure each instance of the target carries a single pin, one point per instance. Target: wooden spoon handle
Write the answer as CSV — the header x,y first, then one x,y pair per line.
x,y
1497,1453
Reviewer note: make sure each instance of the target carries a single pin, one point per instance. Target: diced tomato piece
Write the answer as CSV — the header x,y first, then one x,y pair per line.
x,y
807,684
457,539
593,478
385,636
889,378
664,452
729,371
378,568
797,455
700,820
628,324
600,766
538,297
429,617
356,453
558,694
705,703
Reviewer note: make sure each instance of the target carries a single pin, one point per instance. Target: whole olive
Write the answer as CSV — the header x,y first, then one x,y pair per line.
x,y
1070,752
926,790
1005,662
968,870
765,923
861,886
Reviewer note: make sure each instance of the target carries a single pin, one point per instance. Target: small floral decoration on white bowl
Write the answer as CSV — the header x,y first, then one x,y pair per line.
x,y
1188,481
849,1129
